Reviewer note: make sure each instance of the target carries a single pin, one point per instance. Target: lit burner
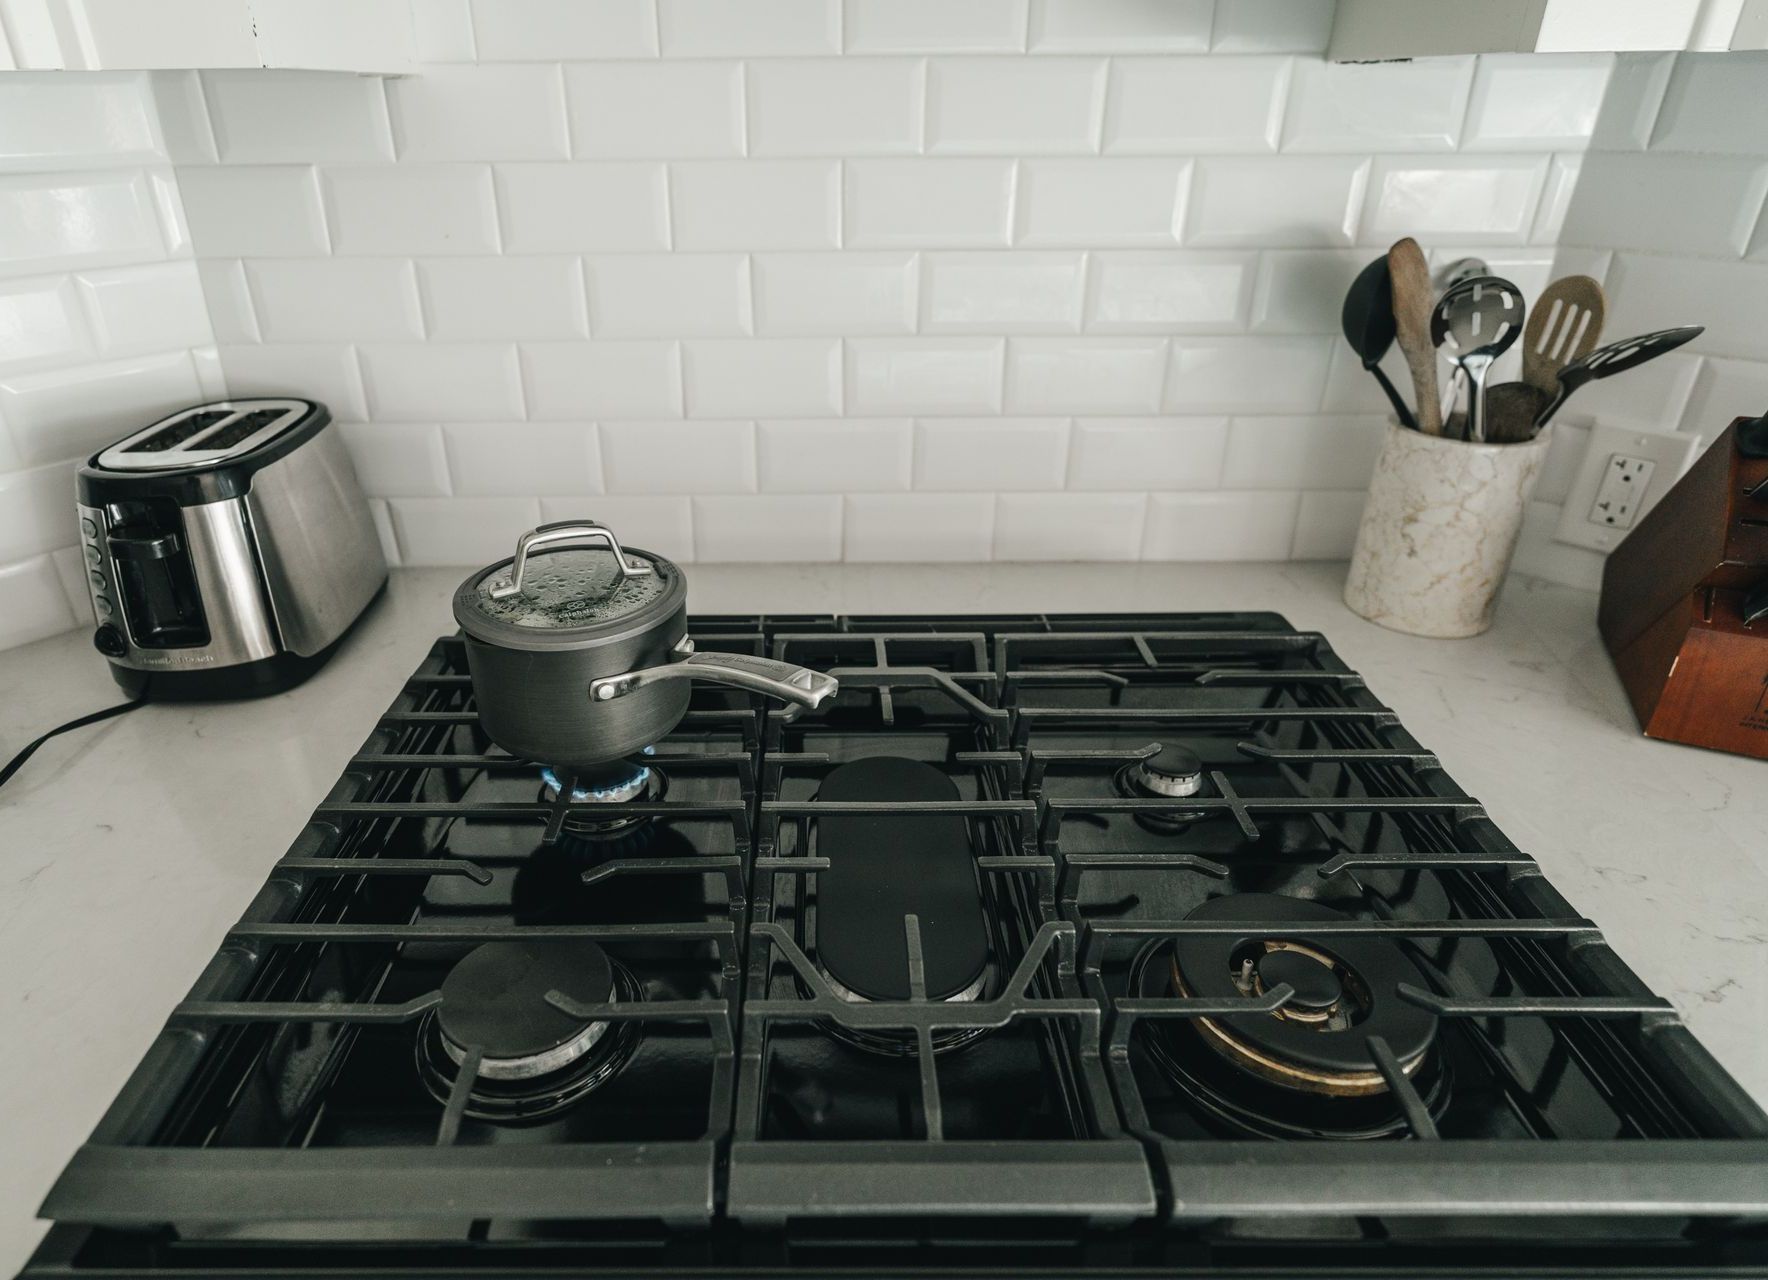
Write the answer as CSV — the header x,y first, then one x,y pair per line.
x,y
621,782
1173,772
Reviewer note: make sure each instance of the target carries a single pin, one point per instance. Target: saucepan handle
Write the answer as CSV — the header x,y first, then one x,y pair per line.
x,y
798,685
550,535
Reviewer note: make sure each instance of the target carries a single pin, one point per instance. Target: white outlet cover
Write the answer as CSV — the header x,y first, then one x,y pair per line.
x,y
1670,452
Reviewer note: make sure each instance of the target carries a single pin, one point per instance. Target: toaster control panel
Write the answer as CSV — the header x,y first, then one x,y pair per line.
x,y
100,575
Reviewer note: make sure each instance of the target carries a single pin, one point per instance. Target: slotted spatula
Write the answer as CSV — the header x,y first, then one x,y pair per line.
x,y
1616,357
1565,325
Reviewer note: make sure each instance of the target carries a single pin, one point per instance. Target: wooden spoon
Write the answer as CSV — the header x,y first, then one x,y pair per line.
x,y
1410,276
1565,325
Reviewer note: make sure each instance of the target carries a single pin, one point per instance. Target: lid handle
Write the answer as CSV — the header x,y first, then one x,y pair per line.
x,y
549,535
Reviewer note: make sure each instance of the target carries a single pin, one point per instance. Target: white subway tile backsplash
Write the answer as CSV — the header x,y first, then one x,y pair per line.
x,y
32,602
1472,199
1287,202
1147,453
845,455
913,528
748,28
678,457
154,307
770,377
483,112
185,132
1556,198
325,299
1271,26
856,294
53,222
41,323
36,511
467,299
1710,105
1302,453
104,118
1120,26
514,459
1107,203
995,106
64,413
1249,375
662,525
398,459
651,110
442,31
944,203
326,372
550,30
573,381
1723,390
1302,290
228,300
297,117
924,375
1536,100
1085,375
442,380
1001,292
756,204
773,527
1652,396
595,208
1220,526
411,209
935,26
1169,292
1647,292
1705,205
835,106
1068,526
1165,106
1350,106
254,211
460,531
670,295
993,454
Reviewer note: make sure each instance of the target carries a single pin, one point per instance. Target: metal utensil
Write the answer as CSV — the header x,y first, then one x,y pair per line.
x,y
1565,325
1368,320
1616,357
1409,277
1476,322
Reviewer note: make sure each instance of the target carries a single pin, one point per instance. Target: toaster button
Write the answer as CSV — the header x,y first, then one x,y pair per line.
x,y
87,527
109,641
93,557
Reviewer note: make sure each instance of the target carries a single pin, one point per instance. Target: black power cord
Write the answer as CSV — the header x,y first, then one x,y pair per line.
x,y
17,762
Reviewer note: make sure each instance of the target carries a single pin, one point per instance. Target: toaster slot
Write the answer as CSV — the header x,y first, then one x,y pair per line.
x,y
177,432
156,578
246,424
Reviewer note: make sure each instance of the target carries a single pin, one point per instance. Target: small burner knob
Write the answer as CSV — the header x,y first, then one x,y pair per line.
x,y
1317,988
1171,771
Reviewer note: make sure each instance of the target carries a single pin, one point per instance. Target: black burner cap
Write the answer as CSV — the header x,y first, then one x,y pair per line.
x,y
495,997
1317,987
1172,770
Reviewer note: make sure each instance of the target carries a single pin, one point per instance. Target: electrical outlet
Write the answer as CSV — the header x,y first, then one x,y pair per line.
x,y
1623,474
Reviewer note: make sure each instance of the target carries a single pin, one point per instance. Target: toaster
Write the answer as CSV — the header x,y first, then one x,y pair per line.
x,y
228,549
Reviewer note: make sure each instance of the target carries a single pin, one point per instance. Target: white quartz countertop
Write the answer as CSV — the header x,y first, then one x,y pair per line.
x,y
127,848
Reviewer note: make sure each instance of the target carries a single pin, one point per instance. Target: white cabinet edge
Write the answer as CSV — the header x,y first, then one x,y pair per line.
x,y
1378,30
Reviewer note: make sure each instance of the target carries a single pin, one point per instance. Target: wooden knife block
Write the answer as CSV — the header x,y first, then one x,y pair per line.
x,y
1684,610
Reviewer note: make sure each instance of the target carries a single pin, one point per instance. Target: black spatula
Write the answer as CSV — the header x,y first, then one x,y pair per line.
x,y
1616,357
1368,320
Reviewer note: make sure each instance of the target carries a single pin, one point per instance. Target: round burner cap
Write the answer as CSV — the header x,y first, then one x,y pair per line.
x,y
494,999
1317,987
1171,771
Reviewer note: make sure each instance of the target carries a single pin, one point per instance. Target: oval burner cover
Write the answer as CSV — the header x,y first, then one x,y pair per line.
x,y
883,866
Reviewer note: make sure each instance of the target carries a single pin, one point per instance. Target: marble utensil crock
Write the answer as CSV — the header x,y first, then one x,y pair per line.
x,y
1438,531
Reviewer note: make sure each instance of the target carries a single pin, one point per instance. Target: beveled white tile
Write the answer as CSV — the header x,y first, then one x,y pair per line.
x,y
1169,291
995,106
1272,26
767,377
1085,375
1536,100
41,323
53,222
63,413
397,459
1120,26
754,28
595,208
1001,292
669,295
1635,94
412,209
36,511
185,132
1705,205
162,181
943,203
297,117
935,26
1474,199
573,381
1302,290
924,375
32,603
1326,525
551,30
1382,106
228,301
1287,202
479,112
326,372
1647,293
52,120
1723,390
775,527
1352,389
1560,189
516,459
838,294
1147,453
1302,452
756,204
1712,103
1248,375
1101,203
1167,106
1220,526
468,299
678,457
442,31
328,299
835,106
913,528
840,455
460,531
656,110
431,381
147,308
661,525
254,211
1654,395
1068,526
993,454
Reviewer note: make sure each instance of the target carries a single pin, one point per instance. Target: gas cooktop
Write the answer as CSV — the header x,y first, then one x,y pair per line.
x,y
1139,944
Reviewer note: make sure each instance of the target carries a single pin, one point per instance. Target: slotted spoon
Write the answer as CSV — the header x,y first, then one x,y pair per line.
x,y
1476,322
1565,325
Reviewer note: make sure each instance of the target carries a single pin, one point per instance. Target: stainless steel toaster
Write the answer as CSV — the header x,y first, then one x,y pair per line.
x,y
228,549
